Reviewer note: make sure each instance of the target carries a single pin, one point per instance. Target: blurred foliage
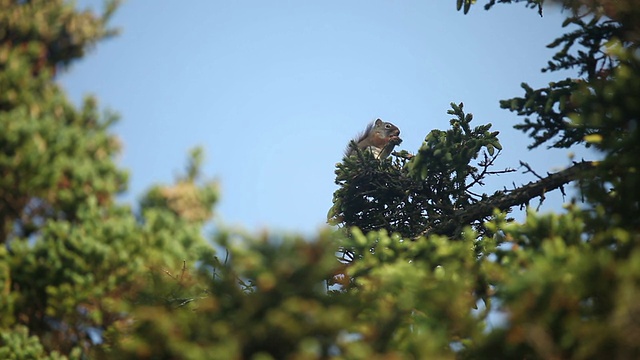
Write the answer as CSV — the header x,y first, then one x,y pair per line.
x,y
187,199
53,156
17,345
84,277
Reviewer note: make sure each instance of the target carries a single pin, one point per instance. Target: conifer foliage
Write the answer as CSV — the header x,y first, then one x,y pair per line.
x,y
426,260
418,194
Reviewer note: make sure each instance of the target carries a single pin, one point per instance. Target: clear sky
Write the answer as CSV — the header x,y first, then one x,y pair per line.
x,y
274,90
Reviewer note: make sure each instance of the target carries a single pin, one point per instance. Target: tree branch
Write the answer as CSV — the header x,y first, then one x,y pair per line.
x,y
503,201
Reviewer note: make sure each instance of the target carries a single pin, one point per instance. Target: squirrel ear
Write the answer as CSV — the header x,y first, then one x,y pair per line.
x,y
378,122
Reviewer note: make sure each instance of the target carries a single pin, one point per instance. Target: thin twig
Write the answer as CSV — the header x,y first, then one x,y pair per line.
x,y
529,169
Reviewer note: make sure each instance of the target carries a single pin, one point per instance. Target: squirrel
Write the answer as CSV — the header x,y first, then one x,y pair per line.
x,y
379,137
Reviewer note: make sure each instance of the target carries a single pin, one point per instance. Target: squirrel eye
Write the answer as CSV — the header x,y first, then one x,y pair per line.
x,y
387,126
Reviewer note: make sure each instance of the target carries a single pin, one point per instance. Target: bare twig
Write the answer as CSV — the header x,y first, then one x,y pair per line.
x,y
529,169
184,269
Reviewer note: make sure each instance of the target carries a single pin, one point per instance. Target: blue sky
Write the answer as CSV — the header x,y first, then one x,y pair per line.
x,y
274,90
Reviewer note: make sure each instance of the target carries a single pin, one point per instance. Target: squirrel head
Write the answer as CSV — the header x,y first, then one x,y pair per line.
x,y
384,133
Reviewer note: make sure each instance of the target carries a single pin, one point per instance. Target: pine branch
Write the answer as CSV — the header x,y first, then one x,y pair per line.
x,y
504,201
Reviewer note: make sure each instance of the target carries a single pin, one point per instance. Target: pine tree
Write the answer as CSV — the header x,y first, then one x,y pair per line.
x,y
425,258
71,257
